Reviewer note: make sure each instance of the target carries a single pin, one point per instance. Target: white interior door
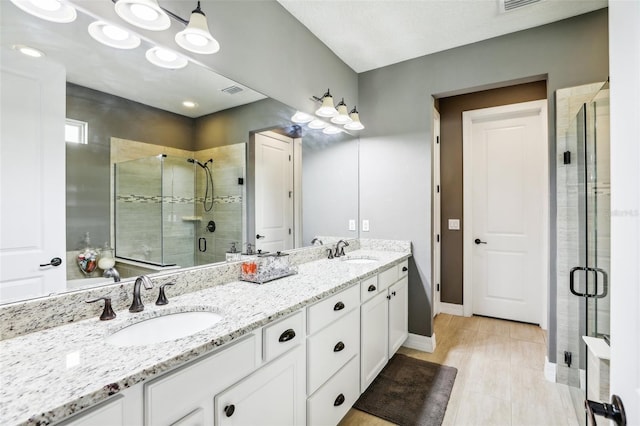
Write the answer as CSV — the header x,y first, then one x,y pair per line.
x,y
506,193
437,221
273,192
32,157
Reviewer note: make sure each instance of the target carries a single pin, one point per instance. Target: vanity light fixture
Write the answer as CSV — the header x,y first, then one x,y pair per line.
x,y
28,51
317,124
331,130
166,58
327,109
301,117
146,14
50,10
343,114
113,36
355,121
196,37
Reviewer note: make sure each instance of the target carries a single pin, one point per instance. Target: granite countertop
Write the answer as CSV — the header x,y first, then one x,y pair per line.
x,y
51,374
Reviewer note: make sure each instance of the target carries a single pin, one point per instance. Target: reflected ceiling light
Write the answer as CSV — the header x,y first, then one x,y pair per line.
x,y
343,114
327,109
165,58
50,10
301,117
146,14
355,121
113,36
331,130
189,104
196,37
28,51
317,124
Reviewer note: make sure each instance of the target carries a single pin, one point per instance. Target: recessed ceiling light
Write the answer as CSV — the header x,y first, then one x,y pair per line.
x,y
189,104
165,58
28,51
145,14
50,10
113,36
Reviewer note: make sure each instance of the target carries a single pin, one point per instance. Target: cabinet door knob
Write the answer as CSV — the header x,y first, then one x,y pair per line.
x,y
338,306
339,400
338,347
393,293
229,410
388,297
372,288
405,269
287,335
56,261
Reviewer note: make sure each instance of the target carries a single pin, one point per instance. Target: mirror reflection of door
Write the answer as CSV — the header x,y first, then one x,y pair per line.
x,y
274,192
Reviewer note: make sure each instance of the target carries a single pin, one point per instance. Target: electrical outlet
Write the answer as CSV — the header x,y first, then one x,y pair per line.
x,y
454,224
352,224
365,225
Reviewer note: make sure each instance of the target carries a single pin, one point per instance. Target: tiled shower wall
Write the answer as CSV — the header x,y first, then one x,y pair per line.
x,y
568,103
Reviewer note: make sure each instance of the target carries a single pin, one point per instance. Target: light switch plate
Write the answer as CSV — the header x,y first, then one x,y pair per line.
x,y
454,224
365,225
352,225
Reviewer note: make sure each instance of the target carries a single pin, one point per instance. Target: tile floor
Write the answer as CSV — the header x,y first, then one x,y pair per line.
x,y
500,378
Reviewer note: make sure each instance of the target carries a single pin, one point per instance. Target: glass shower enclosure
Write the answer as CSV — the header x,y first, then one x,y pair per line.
x,y
586,253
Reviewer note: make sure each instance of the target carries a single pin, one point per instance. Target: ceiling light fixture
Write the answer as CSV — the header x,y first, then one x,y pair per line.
x,y
196,37
301,117
50,10
327,109
113,36
146,14
165,58
28,51
189,104
355,121
317,124
343,114
331,130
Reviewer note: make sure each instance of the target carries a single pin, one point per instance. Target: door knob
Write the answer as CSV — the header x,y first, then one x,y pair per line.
x,y
479,241
258,236
56,261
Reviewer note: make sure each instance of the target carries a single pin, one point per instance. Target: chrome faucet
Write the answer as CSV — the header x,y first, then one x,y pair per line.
x,y
316,240
112,273
339,250
136,305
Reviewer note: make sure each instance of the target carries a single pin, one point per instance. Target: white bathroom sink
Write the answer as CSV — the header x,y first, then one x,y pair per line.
x,y
163,328
359,259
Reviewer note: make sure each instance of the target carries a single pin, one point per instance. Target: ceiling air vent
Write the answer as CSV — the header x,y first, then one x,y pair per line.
x,y
232,90
509,5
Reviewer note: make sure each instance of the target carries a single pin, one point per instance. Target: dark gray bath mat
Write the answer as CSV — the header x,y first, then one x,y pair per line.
x,y
409,391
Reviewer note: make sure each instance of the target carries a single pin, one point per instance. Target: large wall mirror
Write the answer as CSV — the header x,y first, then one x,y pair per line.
x,y
170,185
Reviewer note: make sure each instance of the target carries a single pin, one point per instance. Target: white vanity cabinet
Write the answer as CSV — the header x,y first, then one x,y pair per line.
x,y
185,396
123,409
273,395
384,320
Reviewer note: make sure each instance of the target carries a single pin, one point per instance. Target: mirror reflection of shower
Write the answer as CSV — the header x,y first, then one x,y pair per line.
x,y
207,201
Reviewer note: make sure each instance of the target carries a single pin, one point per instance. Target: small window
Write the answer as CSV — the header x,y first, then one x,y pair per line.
x,y
76,131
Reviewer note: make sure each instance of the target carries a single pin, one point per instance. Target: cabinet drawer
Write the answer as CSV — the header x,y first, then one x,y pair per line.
x,y
403,269
173,396
368,288
332,401
332,308
283,335
388,277
331,348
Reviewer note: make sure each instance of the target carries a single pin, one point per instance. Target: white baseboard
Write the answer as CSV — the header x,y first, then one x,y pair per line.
x,y
452,309
549,370
421,343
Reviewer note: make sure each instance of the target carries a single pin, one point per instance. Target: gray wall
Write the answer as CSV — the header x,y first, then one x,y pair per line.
x,y
395,162
87,170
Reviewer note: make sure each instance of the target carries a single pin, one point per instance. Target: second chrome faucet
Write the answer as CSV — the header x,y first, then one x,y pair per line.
x,y
136,305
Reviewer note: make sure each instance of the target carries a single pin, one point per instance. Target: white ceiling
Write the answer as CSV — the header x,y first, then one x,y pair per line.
x,y
369,34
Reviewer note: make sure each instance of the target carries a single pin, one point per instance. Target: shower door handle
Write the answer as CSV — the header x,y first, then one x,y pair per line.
x,y
596,271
